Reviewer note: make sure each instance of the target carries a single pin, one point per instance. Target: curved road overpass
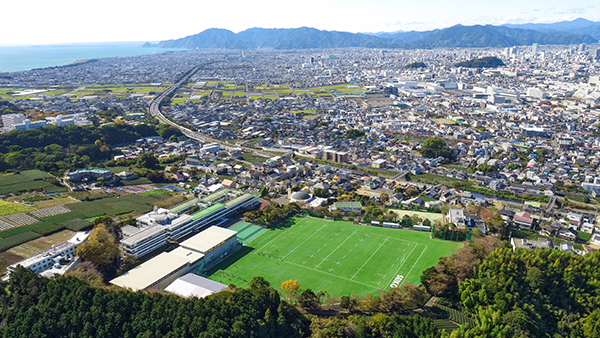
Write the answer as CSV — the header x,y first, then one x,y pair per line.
x,y
155,111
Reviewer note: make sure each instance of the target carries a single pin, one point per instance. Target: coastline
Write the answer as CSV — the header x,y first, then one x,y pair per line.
x,y
27,58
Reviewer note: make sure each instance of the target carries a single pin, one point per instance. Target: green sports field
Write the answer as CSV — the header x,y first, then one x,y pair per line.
x,y
334,256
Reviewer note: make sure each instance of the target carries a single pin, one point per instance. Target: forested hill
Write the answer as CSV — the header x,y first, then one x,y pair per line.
x,y
33,306
534,293
67,307
486,62
54,148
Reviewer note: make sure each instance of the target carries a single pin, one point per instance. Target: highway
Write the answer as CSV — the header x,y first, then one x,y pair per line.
x,y
156,113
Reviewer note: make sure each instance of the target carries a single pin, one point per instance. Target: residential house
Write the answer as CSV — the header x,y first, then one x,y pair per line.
x,y
523,219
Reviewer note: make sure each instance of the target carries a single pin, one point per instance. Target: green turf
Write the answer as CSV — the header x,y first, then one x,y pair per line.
x,y
334,256
247,232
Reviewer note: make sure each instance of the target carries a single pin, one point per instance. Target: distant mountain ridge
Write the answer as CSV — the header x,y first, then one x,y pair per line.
x,y
561,33
577,26
279,38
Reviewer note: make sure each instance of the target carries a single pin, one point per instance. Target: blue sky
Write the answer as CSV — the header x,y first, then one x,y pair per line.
x,y
64,21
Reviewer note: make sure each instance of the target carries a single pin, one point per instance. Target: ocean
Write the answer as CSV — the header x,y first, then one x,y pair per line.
x,y
17,58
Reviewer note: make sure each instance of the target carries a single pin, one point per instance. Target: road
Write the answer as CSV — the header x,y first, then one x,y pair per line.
x,y
156,113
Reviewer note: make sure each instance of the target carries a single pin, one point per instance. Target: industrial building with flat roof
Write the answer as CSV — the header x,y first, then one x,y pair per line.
x,y
192,285
160,271
161,226
55,257
196,254
94,174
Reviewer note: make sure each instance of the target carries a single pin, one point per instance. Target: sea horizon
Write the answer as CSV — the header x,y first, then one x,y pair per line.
x,y
28,57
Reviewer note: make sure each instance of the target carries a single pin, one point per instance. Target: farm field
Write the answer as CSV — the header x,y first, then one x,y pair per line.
x,y
25,181
338,257
117,205
7,208
38,245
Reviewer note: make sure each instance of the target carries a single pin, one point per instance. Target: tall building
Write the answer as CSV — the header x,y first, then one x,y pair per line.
x,y
11,120
335,156
534,48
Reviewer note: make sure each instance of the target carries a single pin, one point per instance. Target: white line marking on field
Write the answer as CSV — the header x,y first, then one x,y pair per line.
x,y
344,278
367,261
417,261
404,261
304,241
344,241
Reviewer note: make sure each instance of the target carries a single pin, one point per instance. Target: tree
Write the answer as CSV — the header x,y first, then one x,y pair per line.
x,y
591,325
322,192
156,176
147,161
385,198
412,192
309,300
354,133
100,248
435,147
290,287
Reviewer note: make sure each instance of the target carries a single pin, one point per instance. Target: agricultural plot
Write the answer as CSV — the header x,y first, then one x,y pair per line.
x,y
46,242
5,225
7,208
48,212
117,205
26,181
337,257
20,219
6,243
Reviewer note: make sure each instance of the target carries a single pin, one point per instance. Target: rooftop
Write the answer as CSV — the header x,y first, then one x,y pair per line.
x,y
75,240
238,199
140,236
215,195
150,272
192,285
208,239
206,211
348,205
182,206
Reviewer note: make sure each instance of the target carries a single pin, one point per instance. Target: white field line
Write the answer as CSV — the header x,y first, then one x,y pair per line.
x,y
283,232
304,241
367,261
330,274
417,261
404,261
396,239
334,250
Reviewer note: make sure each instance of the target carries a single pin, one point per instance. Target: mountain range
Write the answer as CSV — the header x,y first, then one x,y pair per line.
x,y
560,33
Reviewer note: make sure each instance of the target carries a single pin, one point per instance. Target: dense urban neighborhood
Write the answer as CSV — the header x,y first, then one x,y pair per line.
x,y
399,186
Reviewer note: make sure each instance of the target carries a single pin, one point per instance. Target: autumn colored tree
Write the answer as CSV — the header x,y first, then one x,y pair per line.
x,y
443,278
100,248
290,287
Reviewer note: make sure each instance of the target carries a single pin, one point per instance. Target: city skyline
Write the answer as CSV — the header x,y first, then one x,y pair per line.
x,y
67,21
